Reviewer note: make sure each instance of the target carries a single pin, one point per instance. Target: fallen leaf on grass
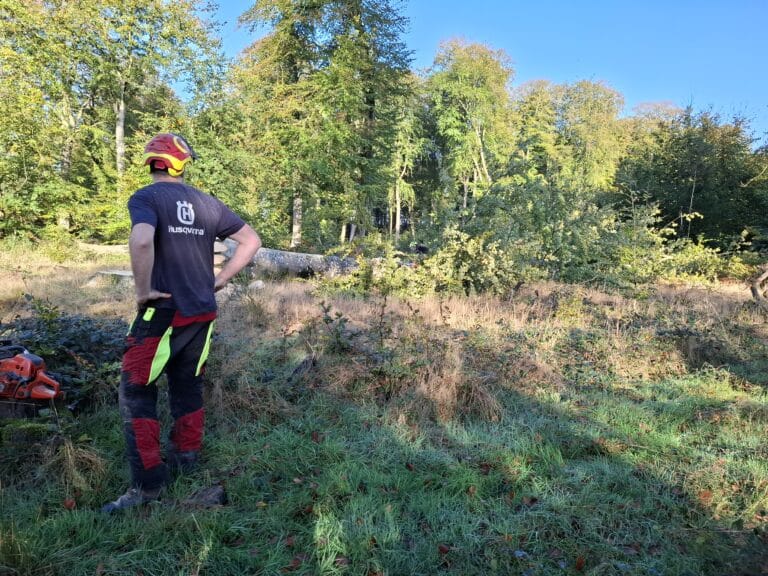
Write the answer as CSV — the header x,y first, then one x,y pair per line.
x,y
316,437
632,549
100,569
409,466
529,500
289,541
341,561
69,504
580,563
705,497
472,490
443,548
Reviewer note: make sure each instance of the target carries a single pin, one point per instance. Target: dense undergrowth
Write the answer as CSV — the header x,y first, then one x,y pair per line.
x,y
562,430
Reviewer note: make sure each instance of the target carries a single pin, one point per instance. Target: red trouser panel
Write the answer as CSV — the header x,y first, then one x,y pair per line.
x,y
179,320
187,433
138,397
137,360
147,434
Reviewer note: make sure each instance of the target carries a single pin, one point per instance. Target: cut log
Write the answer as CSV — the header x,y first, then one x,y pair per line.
x,y
296,263
267,260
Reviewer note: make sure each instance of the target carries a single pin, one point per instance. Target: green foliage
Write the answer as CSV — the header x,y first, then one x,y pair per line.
x,y
688,260
469,265
79,85
320,94
58,244
319,132
337,336
689,162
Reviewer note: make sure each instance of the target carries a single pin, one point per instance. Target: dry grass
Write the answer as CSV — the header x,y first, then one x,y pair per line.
x,y
440,359
79,468
73,287
670,331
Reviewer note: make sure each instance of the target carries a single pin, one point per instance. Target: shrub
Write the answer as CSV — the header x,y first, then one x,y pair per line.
x,y
688,260
469,265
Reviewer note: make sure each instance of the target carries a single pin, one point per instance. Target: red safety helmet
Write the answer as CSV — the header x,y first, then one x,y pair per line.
x,y
170,152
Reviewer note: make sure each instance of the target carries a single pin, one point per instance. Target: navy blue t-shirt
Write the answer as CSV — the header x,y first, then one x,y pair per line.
x,y
187,223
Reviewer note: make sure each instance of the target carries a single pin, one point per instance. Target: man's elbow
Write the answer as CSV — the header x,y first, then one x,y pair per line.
x,y
252,241
140,243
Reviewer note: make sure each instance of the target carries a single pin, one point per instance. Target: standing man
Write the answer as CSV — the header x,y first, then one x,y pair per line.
x,y
174,226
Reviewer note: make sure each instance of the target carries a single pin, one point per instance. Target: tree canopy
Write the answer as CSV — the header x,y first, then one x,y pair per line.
x,y
321,136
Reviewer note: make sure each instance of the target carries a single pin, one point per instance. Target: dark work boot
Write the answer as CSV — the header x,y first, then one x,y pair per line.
x,y
182,462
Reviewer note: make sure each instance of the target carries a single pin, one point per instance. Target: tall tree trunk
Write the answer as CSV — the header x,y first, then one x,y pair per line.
x,y
343,236
297,219
485,172
398,222
690,204
66,158
120,133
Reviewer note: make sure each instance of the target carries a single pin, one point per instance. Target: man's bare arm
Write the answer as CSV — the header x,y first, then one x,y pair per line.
x,y
248,243
141,246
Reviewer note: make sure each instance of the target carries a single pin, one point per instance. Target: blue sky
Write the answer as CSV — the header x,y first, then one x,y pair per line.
x,y
708,53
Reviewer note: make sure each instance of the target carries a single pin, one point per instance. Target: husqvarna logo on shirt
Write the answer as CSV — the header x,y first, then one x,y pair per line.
x,y
185,213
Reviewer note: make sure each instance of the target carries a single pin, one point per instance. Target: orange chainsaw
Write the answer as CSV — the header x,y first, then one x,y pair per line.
x,y
23,379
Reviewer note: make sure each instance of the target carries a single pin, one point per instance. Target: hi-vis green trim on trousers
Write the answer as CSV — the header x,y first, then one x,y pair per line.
x,y
206,349
162,354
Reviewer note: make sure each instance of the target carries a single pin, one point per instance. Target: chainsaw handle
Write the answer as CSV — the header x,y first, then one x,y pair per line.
x,y
9,351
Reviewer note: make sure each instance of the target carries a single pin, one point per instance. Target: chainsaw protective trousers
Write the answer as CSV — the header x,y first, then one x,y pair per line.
x,y
161,340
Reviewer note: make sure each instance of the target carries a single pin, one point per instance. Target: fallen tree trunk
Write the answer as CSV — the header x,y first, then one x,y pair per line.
x,y
281,262
269,261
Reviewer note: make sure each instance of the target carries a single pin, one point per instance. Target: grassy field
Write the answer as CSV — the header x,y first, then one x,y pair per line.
x,y
563,431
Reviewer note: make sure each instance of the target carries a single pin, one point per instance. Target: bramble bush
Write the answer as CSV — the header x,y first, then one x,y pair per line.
x,y
83,352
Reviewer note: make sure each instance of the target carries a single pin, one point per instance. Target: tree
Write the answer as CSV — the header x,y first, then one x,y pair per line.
x,y
320,90
698,164
90,65
470,103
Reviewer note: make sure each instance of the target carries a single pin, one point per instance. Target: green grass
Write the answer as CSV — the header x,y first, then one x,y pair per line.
x,y
608,454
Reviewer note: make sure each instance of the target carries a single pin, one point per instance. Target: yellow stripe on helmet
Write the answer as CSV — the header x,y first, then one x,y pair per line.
x,y
180,144
177,165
